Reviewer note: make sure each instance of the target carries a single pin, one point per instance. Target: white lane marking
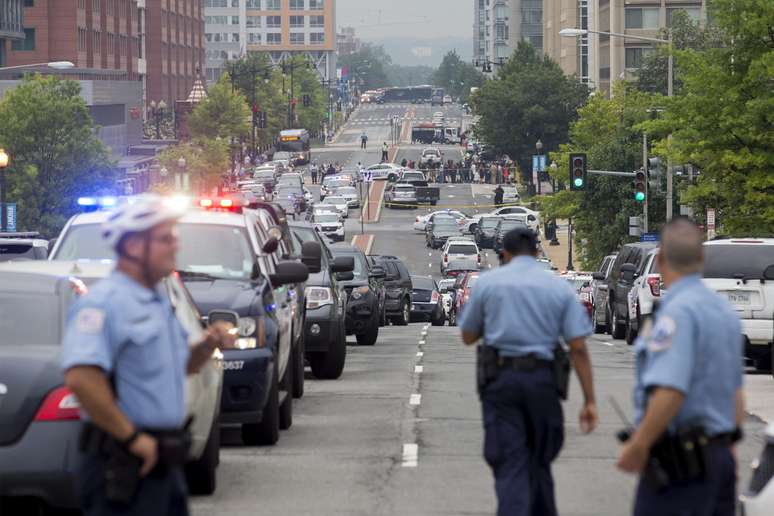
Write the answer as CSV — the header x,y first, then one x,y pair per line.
x,y
420,354
410,455
415,399
606,343
430,265
419,369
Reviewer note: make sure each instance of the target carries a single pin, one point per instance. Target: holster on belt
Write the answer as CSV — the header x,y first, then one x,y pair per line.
x,y
487,366
678,457
561,370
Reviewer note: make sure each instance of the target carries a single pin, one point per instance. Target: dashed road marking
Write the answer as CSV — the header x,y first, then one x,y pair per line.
x,y
420,354
415,399
410,455
419,369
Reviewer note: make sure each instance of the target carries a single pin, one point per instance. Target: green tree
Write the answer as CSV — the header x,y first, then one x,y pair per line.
x,y
55,154
223,114
722,122
457,76
368,64
206,161
530,99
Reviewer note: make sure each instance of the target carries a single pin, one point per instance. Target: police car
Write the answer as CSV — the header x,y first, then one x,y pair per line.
x,y
228,260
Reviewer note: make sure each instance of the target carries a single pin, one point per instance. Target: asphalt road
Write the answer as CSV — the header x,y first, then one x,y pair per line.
x,y
400,431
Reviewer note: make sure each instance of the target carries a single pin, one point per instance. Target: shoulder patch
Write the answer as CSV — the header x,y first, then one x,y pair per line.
x,y
661,337
90,320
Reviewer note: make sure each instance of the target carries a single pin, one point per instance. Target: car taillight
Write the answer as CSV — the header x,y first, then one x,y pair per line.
x,y
59,405
478,258
655,286
446,258
434,297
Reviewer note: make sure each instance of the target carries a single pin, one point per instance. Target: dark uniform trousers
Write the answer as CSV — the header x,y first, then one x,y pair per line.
x,y
162,493
524,432
715,496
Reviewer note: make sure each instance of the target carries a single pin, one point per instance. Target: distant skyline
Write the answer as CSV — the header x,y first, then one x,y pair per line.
x,y
376,20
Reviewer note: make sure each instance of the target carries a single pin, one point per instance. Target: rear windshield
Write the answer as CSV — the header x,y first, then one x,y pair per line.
x,y
462,249
326,217
264,174
422,283
724,261
489,223
16,252
507,225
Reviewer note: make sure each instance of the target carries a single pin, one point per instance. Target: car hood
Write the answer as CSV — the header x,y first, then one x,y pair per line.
x,y
445,232
239,296
27,375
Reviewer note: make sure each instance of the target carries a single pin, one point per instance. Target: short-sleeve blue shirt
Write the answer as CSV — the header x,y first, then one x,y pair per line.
x,y
131,333
523,309
695,347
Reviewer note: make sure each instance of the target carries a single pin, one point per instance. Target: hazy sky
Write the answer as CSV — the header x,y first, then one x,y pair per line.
x,y
432,19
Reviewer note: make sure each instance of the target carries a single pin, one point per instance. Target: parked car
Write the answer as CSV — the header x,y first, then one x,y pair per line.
x,y
331,183
337,202
630,259
460,254
330,224
758,498
349,193
505,225
426,304
425,194
510,194
599,294
388,171
533,217
440,230
646,290
742,270
267,176
365,296
398,288
41,418
420,224
462,287
325,339
22,246
398,194
485,231
412,177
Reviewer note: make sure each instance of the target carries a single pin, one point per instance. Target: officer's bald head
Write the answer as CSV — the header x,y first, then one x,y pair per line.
x,y
681,246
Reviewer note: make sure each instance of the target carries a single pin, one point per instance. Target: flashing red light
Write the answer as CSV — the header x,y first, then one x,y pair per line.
x,y
226,203
59,405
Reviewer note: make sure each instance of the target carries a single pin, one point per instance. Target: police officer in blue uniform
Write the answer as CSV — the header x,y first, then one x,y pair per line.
x,y
523,311
126,356
688,391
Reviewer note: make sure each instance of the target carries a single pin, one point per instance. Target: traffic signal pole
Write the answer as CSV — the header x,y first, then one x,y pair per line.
x,y
645,167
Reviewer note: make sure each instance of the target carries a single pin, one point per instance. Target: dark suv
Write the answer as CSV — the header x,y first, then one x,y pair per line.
x,y
365,296
620,281
398,288
325,338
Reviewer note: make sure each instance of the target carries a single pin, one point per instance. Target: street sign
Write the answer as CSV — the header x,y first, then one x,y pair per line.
x,y
10,217
634,226
710,223
649,237
539,163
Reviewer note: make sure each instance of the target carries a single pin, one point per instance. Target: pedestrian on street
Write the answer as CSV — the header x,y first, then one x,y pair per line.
x,y
385,153
363,140
453,172
492,173
472,172
442,172
313,170
331,170
688,391
499,178
498,196
126,356
522,311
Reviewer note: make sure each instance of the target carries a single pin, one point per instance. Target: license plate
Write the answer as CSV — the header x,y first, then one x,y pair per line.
x,y
739,298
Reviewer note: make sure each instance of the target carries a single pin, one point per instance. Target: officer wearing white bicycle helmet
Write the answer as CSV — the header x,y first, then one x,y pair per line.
x,y
126,357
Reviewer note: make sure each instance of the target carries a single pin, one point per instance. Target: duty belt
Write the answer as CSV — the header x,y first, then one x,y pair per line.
x,y
527,363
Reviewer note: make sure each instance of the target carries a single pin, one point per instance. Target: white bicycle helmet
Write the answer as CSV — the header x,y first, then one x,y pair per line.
x,y
139,214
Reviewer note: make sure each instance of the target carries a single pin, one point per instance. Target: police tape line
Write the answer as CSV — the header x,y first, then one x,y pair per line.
x,y
431,207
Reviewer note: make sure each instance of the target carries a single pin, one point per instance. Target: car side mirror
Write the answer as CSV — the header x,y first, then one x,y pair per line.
x,y
226,316
270,245
345,276
311,256
343,264
531,218
289,272
378,272
598,276
768,272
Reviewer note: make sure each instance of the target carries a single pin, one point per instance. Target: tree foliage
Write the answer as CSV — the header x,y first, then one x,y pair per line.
x,y
530,99
55,155
223,114
206,160
369,64
457,77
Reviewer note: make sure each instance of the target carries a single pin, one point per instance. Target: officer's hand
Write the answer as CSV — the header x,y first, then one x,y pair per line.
x,y
146,448
588,418
220,335
634,457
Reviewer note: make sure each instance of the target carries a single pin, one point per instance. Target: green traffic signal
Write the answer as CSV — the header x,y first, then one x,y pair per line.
x,y
639,196
578,182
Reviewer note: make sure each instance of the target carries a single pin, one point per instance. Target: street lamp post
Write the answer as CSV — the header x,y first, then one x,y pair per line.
x,y
539,148
56,65
3,209
570,265
181,178
554,239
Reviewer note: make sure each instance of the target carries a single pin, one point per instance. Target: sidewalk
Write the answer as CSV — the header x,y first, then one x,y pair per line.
x,y
558,253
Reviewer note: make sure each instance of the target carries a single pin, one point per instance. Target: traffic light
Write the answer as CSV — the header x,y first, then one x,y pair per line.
x,y
640,186
261,119
578,171
306,100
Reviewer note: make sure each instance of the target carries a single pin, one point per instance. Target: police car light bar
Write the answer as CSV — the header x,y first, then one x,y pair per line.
x,y
97,202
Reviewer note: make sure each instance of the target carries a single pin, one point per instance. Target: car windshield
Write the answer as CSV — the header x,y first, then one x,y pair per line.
x,y
220,251
507,225
461,249
431,153
335,200
726,261
328,218
445,224
489,223
335,183
422,283
20,316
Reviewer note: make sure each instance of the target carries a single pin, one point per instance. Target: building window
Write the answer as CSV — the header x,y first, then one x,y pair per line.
x,y
29,3
81,4
96,45
694,13
235,37
253,4
296,22
95,5
317,38
253,21
273,5
254,38
317,21
28,43
274,38
217,3
235,20
635,55
217,20
296,5
316,5
83,41
297,38
642,17
274,22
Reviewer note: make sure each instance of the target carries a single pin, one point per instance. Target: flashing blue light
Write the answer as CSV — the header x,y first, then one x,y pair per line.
x,y
108,202
87,201
270,308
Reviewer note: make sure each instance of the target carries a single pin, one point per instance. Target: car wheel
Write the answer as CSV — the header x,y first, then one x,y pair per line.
x,y
330,365
472,229
405,314
298,369
453,318
598,326
286,407
630,333
439,320
369,337
200,474
608,319
619,329
266,432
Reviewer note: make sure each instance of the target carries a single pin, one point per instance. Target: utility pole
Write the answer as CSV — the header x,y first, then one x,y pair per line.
x,y
647,194
670,93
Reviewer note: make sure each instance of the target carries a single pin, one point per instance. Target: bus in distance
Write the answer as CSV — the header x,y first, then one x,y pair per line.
x,y
296,143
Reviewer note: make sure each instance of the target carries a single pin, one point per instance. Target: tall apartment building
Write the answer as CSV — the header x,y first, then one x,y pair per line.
x,y
573,54
11,24
347,42
619,58
281,28
501,24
